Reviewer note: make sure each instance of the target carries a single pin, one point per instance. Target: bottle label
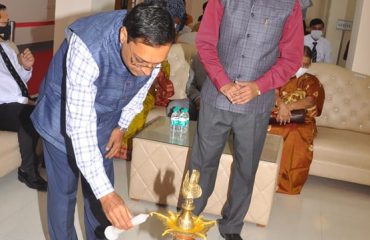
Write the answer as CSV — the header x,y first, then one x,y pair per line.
x,y
184,122
174,121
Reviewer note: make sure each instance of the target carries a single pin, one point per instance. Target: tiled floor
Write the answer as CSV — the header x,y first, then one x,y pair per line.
x,y
326,210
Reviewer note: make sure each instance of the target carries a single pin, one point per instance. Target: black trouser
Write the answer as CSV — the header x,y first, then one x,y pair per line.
x,y
15,117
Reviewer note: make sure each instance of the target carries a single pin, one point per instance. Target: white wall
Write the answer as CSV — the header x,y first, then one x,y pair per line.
x,y
102,5
319,9
359,51
339,9
31,11
67,11
330,11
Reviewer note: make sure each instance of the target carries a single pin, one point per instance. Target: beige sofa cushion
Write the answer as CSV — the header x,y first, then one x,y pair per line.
x,y
342,155
342,147
10,157
347,101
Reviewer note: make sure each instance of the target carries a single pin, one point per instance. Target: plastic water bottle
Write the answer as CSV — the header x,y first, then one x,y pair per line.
x,y
184,120
175,120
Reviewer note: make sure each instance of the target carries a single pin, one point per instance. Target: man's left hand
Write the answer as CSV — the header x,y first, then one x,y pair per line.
x,y
26,59
247,91
114,143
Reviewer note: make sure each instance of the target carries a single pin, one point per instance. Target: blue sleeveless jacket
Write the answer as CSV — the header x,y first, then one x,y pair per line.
x,y
116,86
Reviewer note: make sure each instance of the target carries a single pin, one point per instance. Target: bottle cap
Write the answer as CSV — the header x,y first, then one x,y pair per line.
x,y
185,110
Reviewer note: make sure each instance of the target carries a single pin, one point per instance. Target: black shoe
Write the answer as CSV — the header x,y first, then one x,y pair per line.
x,y
231,236
32,182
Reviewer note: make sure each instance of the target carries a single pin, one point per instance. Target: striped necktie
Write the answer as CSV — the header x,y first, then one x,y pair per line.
x,y
14,73
314,52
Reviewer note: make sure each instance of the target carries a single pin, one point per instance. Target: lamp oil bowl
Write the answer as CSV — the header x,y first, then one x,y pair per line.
x,y
186,226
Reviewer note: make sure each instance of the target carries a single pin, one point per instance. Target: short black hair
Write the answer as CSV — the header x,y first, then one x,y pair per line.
x,y
2,7
307,52
150,23
316,21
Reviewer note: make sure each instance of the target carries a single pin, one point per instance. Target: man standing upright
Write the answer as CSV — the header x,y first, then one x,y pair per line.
x,y
95,85
248,48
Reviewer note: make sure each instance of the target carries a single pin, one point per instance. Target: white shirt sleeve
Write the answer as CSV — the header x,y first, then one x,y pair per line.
x,y
81,120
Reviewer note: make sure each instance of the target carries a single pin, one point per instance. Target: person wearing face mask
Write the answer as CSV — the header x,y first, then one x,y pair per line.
x,y
15,104
303,91
319,45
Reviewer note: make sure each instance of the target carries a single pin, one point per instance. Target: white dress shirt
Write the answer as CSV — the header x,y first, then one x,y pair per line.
x,y
323,48
81,120
9,89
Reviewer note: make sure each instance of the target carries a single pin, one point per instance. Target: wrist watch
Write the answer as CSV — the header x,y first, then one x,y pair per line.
x,y
122,129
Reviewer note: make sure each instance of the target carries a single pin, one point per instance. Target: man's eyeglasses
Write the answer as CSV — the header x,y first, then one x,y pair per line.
x,y
137,62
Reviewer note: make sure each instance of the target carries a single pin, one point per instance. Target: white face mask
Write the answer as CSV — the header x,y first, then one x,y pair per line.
x,y
316,34
300,72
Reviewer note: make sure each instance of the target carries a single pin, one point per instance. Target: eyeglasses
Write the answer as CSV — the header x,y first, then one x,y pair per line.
x,y
138,62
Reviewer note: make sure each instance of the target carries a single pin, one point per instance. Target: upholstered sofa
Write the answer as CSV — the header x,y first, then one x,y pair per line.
x,y
342,146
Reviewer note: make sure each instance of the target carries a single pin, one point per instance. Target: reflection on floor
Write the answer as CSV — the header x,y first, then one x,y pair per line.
x,y
326,210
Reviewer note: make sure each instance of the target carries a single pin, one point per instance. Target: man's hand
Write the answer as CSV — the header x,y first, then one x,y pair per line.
x,y
284,114
26,59
248,91
114,143
230,90
116,211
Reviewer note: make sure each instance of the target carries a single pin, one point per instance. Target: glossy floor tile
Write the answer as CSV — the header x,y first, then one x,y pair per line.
x,y
326,210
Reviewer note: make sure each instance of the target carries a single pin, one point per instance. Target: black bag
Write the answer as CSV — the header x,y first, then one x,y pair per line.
x,y
298,116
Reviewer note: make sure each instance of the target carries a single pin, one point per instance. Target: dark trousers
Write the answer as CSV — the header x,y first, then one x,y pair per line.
x,y
15,117
249,133
63,175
